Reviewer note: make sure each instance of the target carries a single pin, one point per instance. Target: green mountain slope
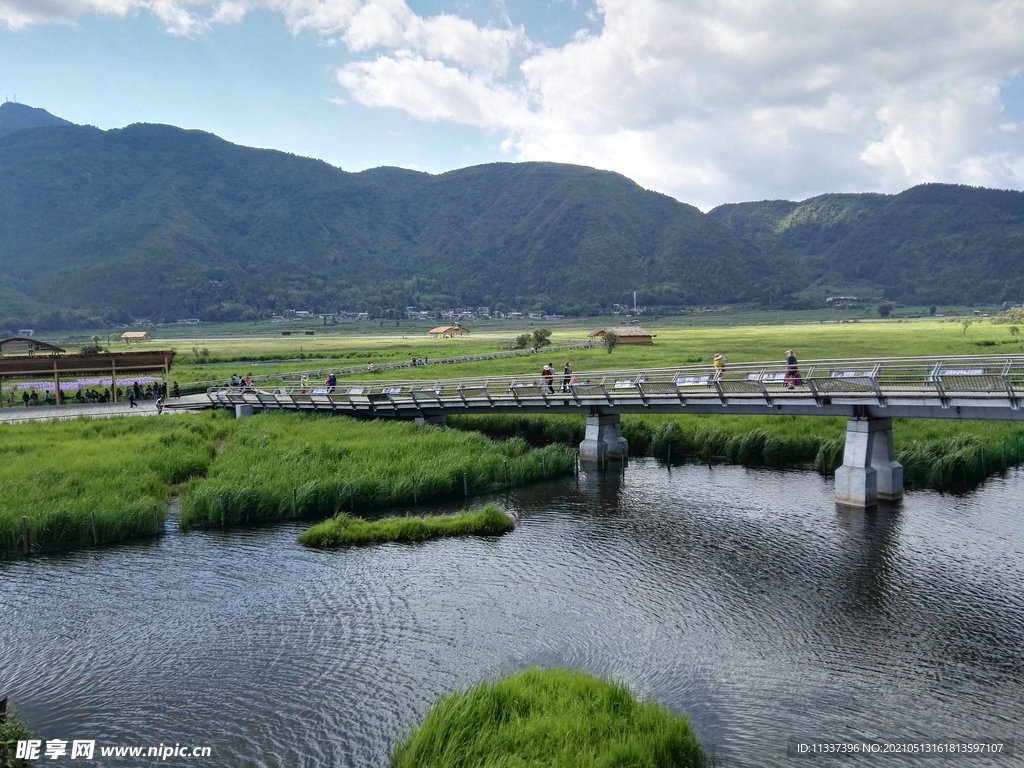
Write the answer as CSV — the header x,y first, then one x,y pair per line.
x,y
935,243
153,221
15,117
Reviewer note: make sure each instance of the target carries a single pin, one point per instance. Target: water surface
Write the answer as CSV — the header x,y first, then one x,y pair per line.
x,y
740,597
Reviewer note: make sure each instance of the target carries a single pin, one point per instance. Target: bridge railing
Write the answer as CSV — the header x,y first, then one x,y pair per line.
x,y
858,378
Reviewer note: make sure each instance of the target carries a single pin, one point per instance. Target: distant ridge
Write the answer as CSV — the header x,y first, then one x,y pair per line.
x,y
155,222
16,117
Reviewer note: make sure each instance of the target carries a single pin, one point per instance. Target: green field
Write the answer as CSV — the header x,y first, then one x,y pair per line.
x,y
679,340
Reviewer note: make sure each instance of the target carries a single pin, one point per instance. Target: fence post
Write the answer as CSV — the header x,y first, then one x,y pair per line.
x,y
294,507
351,498
465,484
24,532
669,460
414,499
221,500
544,466
505,470
95,538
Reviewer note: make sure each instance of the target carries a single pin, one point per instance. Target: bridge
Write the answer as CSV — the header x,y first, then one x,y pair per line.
x,y
869,393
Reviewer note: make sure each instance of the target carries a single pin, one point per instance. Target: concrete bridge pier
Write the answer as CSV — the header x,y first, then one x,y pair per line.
x,y
870,471
434,419
603,440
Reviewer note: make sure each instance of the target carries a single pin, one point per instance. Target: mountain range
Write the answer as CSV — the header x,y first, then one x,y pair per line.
x,y
156,222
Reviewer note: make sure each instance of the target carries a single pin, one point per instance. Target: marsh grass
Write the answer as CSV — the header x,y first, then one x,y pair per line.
x,y
63,476
281,465
934,453
345,530
549,718
12,730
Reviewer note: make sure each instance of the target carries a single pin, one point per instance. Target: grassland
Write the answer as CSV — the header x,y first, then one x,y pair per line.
x,y
752,336
549,718
88,482
281,465
101,481
346,531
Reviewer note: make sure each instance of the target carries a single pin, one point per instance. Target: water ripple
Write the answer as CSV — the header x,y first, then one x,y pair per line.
x,y
741,597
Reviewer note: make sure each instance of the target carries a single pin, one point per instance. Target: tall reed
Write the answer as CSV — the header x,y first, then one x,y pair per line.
x,y
82,482
934,453
280,465
548,718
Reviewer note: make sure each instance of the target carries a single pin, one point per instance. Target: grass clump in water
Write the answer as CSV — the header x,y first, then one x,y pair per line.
x,y
345,530
549,718
12,730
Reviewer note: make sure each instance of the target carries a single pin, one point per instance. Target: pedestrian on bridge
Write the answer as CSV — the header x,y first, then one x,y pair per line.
x,y
792,377
548,375
719,363
566,376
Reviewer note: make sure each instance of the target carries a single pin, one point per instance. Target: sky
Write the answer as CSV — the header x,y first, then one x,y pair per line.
x,y
708,101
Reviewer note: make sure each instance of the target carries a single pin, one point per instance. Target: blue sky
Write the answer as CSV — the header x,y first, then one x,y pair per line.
x,y
710,101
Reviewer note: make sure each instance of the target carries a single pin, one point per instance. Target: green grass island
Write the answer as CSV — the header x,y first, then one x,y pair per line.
x,y
549,717
346,531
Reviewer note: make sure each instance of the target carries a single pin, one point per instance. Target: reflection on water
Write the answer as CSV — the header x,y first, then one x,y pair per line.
x,y
742,597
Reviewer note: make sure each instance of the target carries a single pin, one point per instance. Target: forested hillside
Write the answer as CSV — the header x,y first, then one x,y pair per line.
x,y
933,244
156,222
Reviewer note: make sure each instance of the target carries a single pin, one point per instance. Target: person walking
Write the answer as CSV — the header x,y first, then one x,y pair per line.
x,y
131,398
792,377
159,406
566,376
548,375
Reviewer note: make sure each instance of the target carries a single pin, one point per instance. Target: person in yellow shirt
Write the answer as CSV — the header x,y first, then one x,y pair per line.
x,y
719,363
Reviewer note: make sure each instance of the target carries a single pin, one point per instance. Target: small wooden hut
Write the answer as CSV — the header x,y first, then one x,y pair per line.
x,y
630,334
448,331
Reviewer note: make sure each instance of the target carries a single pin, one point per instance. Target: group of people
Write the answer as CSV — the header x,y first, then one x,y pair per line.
x,y
547,375
156,391
245,381
791,378
136,392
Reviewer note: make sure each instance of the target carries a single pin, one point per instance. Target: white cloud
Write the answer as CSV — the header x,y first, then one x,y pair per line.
x,y
717,100
18,14
432,90
708,100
